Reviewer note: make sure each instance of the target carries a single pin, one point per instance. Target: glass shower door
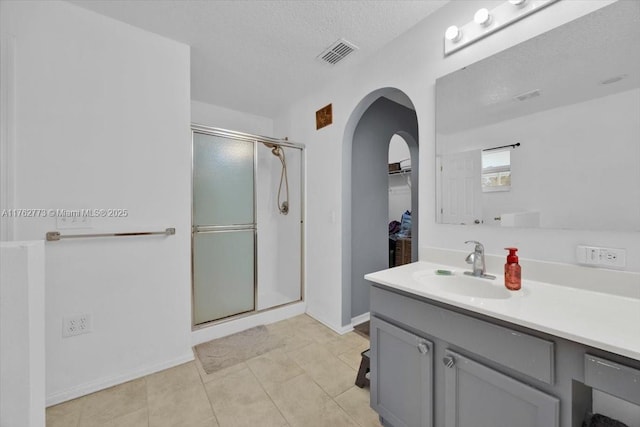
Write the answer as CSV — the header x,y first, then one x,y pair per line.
x,y
279,235
224,227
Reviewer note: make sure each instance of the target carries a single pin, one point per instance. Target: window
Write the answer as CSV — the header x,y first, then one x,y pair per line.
x,y
496,171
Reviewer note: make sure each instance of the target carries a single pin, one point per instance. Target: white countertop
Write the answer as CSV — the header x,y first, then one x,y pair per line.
x,y
605,321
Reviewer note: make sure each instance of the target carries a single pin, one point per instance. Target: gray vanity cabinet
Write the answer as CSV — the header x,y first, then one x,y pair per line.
x,y
478,396
480,371
402,386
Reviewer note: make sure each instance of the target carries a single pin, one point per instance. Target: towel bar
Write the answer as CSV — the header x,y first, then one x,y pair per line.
x,y
54,236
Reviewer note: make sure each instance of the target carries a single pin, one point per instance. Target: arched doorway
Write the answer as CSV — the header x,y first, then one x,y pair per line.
x,y
379,116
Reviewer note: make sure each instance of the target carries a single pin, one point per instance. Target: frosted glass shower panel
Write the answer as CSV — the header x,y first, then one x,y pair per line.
x,y
223,181
223,274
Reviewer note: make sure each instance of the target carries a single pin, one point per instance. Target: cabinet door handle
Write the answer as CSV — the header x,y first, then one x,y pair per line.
x,y
423,348
449,361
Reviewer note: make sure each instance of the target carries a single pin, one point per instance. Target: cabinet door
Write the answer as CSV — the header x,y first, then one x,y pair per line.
x,y
477,396
401,376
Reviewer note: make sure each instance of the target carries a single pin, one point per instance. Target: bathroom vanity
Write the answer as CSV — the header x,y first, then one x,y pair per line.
x,y
459,351
464,352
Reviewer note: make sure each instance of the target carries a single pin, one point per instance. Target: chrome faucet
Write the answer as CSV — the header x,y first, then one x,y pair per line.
x,y
477,259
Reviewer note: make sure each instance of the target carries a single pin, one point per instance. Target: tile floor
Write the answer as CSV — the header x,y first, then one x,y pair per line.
x,y
307,382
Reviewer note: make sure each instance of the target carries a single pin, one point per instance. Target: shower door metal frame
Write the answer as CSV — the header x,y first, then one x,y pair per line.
x,y
255,139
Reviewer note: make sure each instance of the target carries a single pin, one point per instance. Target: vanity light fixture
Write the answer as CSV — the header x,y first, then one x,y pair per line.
x,y
482,17
453,34
486,22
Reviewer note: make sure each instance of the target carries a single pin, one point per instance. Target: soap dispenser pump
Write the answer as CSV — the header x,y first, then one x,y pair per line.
x,y
512,280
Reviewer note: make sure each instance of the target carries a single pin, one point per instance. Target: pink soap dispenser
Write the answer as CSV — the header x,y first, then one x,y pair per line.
x,y
512,280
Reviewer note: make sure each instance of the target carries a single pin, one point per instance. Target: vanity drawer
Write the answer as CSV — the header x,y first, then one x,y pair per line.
x,y
521,352
612,378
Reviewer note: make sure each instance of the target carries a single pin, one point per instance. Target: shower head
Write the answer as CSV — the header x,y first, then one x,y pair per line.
x,y
269,145
275,149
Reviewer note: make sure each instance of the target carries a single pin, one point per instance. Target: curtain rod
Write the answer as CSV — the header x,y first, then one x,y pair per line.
x,y
517,144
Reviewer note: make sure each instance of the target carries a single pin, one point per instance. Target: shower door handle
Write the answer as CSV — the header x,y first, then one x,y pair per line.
x,y
221,228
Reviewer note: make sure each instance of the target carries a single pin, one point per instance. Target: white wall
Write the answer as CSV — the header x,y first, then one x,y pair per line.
x,y
22,360
399,196
225,118
412,63
7,132
102,121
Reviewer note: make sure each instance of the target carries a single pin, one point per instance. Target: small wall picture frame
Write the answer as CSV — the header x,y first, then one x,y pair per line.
x,y
324,117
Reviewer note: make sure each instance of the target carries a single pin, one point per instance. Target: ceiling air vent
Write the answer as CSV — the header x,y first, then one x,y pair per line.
x,y
528,95
337,52
614,79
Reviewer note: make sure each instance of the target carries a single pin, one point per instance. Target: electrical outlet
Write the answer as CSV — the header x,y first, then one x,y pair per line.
x,y
68,222
612,257
76,325
603,257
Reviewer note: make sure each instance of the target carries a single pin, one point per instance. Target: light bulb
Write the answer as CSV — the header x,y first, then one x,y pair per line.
x,y
482,17
517,2
453,34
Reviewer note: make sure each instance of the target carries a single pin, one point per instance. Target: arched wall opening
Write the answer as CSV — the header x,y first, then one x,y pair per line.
x,y
380,115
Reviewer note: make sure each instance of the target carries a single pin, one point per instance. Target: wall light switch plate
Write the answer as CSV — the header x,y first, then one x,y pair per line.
x,y
601,257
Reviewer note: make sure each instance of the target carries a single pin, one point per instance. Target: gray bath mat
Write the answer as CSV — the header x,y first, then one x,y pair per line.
x,y
237,348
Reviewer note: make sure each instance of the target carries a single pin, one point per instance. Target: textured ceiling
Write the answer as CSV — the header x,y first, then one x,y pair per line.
x,y
260,56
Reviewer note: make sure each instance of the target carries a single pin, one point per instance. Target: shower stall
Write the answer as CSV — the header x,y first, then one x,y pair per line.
x,y
247,240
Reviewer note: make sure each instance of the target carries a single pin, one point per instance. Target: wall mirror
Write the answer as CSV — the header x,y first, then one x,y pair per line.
x,y
565,105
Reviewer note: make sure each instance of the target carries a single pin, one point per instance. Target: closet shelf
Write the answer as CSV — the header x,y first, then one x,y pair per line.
x,y
400,172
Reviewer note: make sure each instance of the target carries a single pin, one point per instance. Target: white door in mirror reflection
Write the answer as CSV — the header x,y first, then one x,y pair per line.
x,y
461,187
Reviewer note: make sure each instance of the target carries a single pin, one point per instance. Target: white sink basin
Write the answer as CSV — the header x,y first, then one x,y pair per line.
x,y
460,284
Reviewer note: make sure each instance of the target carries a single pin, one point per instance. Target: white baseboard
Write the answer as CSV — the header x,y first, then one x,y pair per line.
x,y
338,329
238,325
102,383
364,317
197,337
